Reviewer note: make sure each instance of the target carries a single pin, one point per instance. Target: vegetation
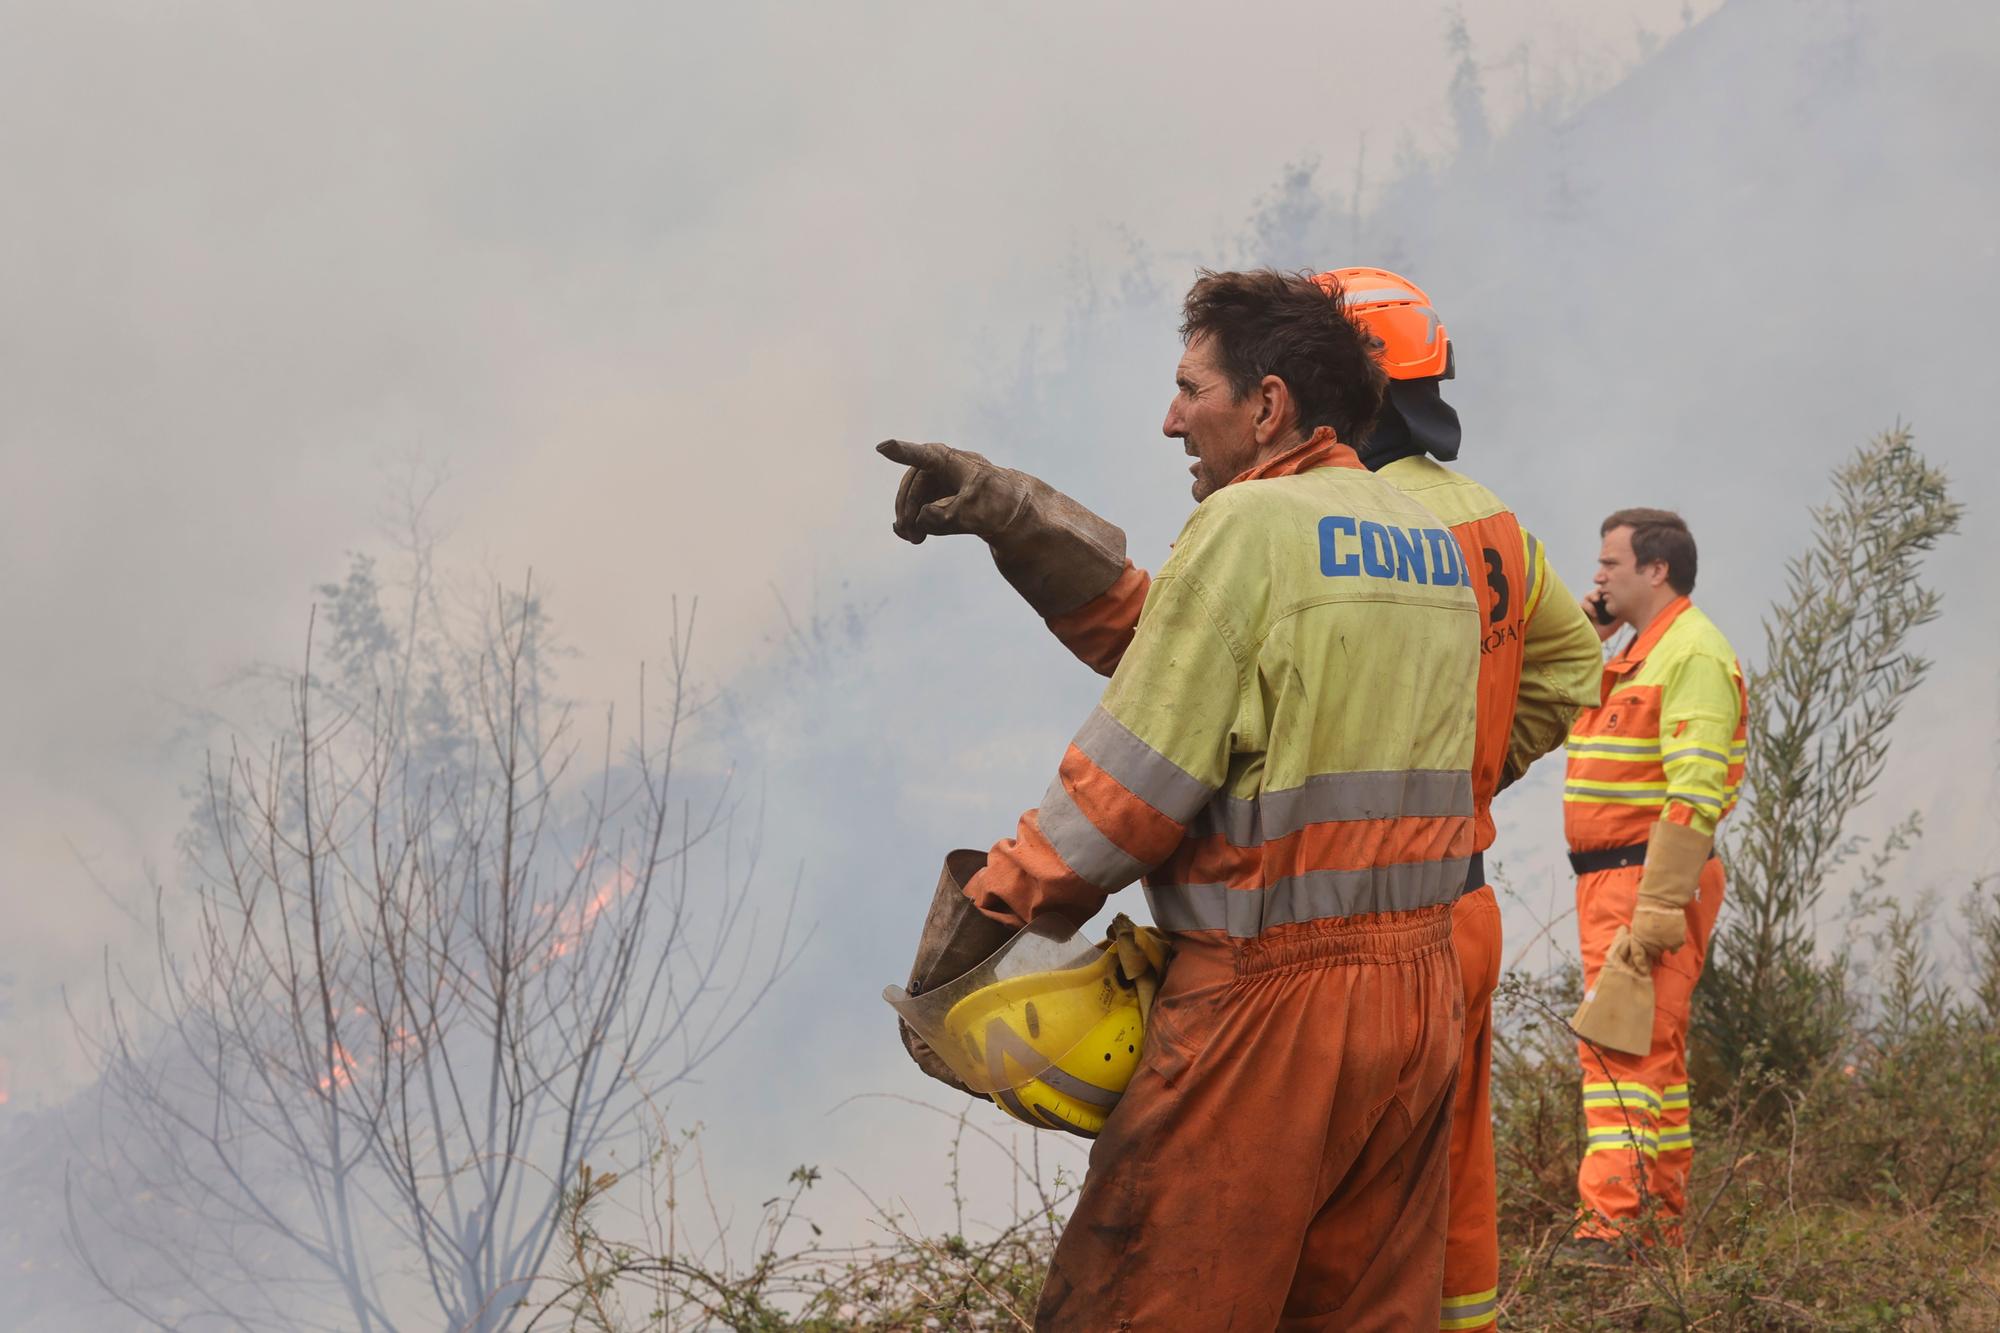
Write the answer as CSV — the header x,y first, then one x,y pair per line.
x,y
424,969
1847,1113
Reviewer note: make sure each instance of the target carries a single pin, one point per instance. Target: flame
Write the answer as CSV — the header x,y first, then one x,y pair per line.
x,y
574,923
342,1073
572,926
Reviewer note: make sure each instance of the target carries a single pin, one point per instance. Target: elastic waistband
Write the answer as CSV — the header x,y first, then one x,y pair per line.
x,y
1381,937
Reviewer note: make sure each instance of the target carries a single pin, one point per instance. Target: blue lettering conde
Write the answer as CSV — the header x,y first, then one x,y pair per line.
x,y
1357,548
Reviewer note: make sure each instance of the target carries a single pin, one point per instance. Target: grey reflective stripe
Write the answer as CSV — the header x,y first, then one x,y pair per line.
x,y
1695,752
1081,844
1461,1310
1689,798
1069,1085
1615,747
1333,797
1143,771
1317,894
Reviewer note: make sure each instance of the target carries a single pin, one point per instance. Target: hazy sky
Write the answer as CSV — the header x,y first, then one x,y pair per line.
x,y
643,280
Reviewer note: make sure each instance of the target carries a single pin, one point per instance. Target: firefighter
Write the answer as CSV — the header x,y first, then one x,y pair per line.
x,y
1652,768
1539,663
1284,752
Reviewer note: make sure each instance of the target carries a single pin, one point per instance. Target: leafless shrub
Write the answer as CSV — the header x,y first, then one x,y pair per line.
x,y
423,972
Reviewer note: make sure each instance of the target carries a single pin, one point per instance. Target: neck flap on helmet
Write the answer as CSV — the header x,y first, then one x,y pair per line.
x,y
1415,420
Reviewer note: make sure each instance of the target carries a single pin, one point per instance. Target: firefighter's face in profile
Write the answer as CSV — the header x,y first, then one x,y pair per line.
x,y
1218,430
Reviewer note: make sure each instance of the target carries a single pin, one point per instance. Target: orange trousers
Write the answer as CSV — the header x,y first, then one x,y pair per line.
x,y
1279,1159
1472,1238
1638,1147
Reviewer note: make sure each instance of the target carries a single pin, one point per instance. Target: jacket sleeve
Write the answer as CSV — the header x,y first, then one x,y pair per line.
x,y
1701,703
1562,666
1099,631
1150,756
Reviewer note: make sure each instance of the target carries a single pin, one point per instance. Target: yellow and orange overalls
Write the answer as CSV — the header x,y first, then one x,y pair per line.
x,y
1666,741
1539,662
1284,752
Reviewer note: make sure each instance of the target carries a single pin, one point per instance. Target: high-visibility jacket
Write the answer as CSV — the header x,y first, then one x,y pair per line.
x,y
1288,734
1538,657
1666,740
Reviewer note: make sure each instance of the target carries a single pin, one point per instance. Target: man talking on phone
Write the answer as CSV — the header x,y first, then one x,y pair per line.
x,y
1652,770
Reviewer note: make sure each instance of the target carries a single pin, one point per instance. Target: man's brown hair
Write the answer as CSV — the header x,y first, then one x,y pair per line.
x,y
1659,536
1269,323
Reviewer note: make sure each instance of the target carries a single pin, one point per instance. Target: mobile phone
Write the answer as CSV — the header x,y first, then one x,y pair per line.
x,y
1599,613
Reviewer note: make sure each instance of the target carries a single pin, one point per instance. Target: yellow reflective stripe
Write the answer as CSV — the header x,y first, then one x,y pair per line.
x,y
1470,1311
1621,787
1616,1094
1675,1094
1640,802
1616,793
1674,1140
1537,569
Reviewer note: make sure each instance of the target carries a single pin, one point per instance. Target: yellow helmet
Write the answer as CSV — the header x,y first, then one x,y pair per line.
x,y
1075,1034
1047,1027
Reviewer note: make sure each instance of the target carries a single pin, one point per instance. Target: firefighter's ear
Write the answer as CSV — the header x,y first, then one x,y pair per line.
x,y
1277,414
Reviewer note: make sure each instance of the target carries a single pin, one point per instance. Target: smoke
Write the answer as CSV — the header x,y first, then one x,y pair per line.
x,y
651,284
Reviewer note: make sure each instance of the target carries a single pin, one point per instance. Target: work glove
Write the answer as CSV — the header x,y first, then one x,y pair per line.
x,y
1056,554
1142,955
1617,1010
957,938
1675,854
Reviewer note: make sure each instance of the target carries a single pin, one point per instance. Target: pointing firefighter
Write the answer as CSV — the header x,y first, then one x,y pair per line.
x,y
1652,769
1284,753
1538,664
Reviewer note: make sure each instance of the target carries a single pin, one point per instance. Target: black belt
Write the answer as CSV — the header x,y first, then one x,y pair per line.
x,y
1612,858
1475,873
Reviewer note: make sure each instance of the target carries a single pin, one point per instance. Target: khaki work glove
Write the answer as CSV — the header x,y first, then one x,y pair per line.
x,y
1142,959
1675,855
1617,1011
1056,554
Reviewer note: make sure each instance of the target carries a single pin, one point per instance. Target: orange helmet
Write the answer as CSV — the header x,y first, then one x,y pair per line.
x,y
1394,309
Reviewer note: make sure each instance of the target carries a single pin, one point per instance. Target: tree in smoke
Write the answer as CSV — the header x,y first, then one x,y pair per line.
x,y
422,972
1837,671
1467,95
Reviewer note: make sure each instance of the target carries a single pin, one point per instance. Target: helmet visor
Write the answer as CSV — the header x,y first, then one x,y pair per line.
x,y
1009,1020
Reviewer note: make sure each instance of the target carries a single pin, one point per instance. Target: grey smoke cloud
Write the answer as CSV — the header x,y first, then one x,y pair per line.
x,y
651,281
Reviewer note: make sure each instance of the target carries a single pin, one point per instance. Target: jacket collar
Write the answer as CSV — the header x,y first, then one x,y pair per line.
x,y
1321,449
1636,651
